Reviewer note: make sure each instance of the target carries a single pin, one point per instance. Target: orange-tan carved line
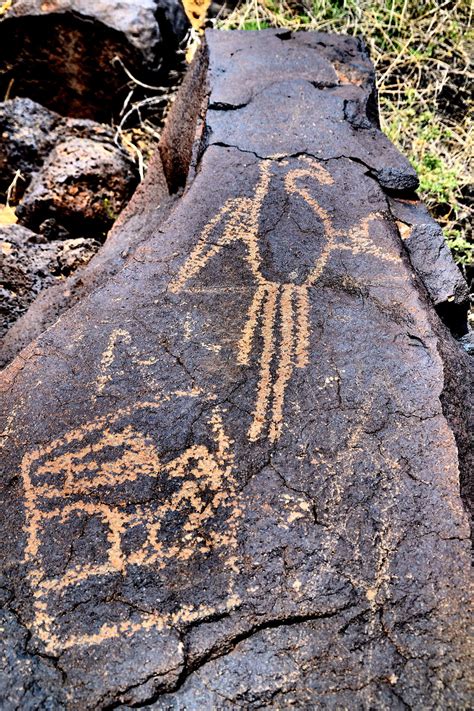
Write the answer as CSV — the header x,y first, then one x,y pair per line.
x,y
284,362
114,518
108,357
360,241
292,187
215,289
199,256
134,462
224,451
72,577
33,516
79,433
242,224
248,334
72,460
265,380
150,621
302,319
323,176
44,626
252,219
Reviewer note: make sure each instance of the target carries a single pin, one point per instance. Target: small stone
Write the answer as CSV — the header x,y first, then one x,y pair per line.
x,y
82,186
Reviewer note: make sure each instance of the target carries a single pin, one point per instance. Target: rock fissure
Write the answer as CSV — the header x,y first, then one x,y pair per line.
x,y
229,645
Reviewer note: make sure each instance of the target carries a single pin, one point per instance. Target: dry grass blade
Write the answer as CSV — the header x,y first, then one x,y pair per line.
x,y
142,115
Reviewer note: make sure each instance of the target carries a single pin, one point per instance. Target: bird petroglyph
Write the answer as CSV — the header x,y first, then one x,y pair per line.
x,y
282,307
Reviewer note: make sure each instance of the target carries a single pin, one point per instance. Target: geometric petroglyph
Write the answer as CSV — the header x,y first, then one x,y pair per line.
x,y
120,337
286,303
126,508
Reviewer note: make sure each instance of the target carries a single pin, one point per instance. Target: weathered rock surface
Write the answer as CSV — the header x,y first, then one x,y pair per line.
x,y
338,101
62,52
81,189
71,181
149,206
29,133
432,260
231,473
74,178
28,264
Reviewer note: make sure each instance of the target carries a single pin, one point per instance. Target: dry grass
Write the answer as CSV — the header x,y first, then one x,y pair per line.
x,y
143,114
421,54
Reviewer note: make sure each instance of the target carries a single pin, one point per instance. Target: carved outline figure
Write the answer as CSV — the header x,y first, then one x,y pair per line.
x,y
239,218
46,502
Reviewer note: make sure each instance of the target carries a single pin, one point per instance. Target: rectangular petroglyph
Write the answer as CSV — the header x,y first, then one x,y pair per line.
x,y
103,457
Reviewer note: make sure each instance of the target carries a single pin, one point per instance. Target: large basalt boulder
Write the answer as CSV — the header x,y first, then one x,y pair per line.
x,y
232,472
63,53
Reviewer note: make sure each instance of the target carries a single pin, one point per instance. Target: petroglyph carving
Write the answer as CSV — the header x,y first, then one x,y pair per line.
x,y
286,303
118,337
87,475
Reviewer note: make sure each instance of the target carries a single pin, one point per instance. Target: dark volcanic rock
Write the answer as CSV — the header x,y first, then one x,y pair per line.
x,y
29,133
432,259
72,181
144,214
339,105
62,52
81,189
231,473
28,264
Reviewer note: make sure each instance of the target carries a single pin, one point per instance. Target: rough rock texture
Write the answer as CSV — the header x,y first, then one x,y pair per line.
x,y
62,52
431,258
29,133
71,181
28,264
231,473
337,101
143,215
81,189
